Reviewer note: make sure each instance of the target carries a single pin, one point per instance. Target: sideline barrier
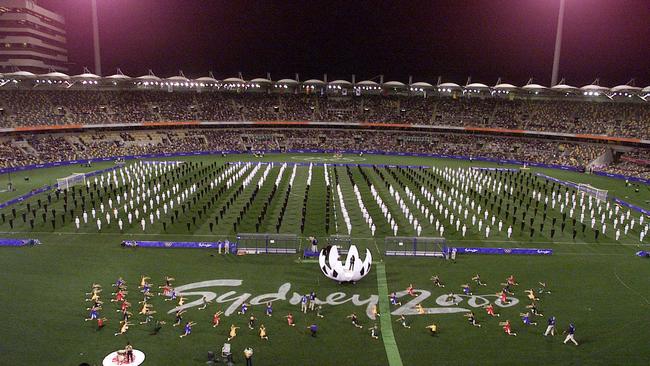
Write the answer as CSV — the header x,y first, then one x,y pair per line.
x,y
8,242
503,251
225,245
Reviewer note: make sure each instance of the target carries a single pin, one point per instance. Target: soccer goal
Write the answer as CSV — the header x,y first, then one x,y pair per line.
x,y
600,194
411,246
268,243
71,181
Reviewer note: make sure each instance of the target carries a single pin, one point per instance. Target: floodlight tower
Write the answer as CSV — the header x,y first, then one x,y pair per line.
x,y
558,44
98,62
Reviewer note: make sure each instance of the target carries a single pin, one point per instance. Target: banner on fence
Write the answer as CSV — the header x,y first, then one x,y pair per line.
x,y
503,251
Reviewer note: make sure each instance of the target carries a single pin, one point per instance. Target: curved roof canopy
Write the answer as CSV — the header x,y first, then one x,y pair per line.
x,y
505,86
564,87
422,84
20,75
477,86
286,81
367,83
207,79
534,87
261,80
149,77
395,84
592,87
340,82
179,78
233,80
86,76
118,77
314,82
54,75
646,89
626,88
450,86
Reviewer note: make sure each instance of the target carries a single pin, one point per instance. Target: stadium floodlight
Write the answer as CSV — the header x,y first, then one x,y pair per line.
x,y
98,62
558,44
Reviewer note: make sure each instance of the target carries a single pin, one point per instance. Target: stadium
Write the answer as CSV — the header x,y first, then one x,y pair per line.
x,y
167,220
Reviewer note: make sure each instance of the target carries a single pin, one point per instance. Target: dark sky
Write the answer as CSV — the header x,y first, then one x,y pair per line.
x,y
487,39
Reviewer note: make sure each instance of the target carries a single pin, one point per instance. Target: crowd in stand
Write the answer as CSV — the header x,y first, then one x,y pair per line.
x,y
20,150
52,107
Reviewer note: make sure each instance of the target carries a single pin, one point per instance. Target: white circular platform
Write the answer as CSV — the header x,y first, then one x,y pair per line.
x,y
114,360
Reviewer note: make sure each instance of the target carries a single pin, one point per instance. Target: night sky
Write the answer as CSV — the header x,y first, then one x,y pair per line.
x,y
511,39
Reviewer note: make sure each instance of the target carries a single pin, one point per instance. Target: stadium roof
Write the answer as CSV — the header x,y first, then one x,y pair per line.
x,y
534,87
504,86
646,89
620,88
477,86
233,80
54,75
286,81
395,84
20,75
593,87
261,80
340,82
118,77
422,84
450,85
314,81
148,78
564,87
86,76
178,78
367,83
207,79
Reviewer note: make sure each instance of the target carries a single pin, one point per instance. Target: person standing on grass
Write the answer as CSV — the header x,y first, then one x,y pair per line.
x,y
550,329
303,304
570,333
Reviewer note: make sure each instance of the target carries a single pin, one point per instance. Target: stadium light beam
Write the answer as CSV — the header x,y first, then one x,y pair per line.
x,y
558,44
98,62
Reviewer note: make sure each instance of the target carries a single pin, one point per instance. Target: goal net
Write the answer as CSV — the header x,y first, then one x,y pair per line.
x,y
600,194
71,180
411,246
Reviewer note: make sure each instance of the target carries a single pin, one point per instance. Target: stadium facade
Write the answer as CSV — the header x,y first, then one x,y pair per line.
x,y
32,38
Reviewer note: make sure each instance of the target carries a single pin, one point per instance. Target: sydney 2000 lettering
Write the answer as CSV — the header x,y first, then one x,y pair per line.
x,y
446,304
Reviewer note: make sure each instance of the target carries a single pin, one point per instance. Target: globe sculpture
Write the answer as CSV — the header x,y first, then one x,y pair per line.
x,y
351,270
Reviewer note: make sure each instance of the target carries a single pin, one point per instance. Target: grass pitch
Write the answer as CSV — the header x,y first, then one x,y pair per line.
x,y
599,285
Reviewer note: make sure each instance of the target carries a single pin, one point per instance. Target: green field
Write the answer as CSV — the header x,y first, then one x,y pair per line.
x,y
597,284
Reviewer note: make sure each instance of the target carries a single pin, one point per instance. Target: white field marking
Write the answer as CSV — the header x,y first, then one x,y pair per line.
x,y
630,288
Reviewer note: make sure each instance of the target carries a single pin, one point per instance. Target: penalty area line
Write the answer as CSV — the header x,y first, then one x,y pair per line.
x,y
630,288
